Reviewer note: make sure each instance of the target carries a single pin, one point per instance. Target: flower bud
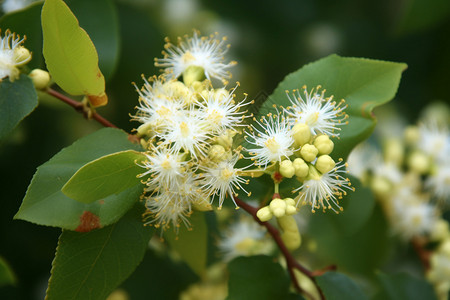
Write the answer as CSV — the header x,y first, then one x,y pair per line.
x,y
440,230
202,205
217,153
40,78
381,186
291,236
287,169
192,74
178,90
394,152
323,144
226,139
291,210
412,134
264,214
221,94
301,134
301,168
325,164
289,201
21,56
278,207
144,130
419,162
309,152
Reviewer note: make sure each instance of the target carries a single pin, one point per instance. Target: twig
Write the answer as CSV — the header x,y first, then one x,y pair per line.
x,y
290,260
424,255
79,107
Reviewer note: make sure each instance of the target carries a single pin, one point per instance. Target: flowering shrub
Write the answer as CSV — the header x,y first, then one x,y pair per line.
x,y
255,196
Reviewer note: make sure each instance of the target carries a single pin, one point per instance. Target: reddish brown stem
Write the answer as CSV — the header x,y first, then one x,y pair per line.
x,y
424,255
290,260
78,106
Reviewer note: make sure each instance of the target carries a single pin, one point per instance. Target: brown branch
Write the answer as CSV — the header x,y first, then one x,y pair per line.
x,y
290,260
79,107
424,255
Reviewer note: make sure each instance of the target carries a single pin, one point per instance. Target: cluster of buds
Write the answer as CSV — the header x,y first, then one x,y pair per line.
x,y
187,129
297,142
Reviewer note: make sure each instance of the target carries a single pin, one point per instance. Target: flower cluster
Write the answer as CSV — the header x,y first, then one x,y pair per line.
x,y
411,178
188,128
297,143
12,55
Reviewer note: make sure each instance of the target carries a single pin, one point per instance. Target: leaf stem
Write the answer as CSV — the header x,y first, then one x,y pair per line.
x,y
290,260
79,107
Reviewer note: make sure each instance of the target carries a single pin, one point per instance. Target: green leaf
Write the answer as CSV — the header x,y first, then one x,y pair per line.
x,y
17,100
91,265
337,286
69,53
258,278
100,20
107,175
27,22
404,286
358,250
363,83
7,276
191,244
45,203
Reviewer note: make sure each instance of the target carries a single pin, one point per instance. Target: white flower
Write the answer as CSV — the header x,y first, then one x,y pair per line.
x,y
244,238
156,104
324,190
439,181
414,219
205,52
188,132
222,180
13,5
165,168
12,55
362,159
273,139
220,110
322,115
434,140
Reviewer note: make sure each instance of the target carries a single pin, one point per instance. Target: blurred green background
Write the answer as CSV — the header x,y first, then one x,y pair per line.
x,y
269,39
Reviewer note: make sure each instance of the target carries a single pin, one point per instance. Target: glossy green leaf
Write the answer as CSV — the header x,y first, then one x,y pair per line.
x,y
358,246
107,175
337,286
404,286
7,276
363,83
91,265
191,244
69,53
99,19
17,100
45,203
27,22
257,278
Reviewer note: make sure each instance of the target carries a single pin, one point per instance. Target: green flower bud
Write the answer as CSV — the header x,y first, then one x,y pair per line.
x,y
21,56
264,214
301,168
325,164
290,236
301,134
394,152
291,210
145,130
217,153
221,94
412,134
289,201
287,169
309,152
419,162
278,207
323,144
192,74
40,78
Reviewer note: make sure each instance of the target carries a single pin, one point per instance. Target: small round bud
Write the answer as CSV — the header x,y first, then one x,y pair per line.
x,y
278,207
313,173
287,169
440,230
291,210
289,201
291,239
323,144
221,94
145,130
419,162
178,90
381,186
301,134
301,168
202,205
192,74
412,134
21,56
217,153
264,214
226,140
40,78
394,152
309,152
325,164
